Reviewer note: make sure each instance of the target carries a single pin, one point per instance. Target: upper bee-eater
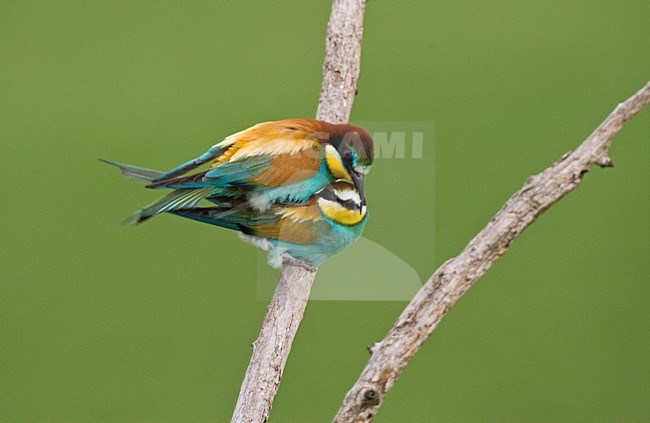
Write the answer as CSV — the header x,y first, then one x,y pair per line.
x,y
274,172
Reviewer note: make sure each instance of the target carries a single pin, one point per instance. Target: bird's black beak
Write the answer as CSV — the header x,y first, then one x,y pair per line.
x,y
358,183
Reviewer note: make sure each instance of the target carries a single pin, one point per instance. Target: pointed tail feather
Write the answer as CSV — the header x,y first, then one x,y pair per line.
x,y
179,199
134,172
214,152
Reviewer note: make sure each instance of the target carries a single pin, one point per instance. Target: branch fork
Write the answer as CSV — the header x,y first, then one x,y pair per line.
x,y
447,284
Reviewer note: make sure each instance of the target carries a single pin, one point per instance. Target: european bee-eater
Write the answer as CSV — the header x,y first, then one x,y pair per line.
x,y
326,223
274,173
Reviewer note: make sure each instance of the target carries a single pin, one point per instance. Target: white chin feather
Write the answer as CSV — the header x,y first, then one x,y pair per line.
x,y
347,195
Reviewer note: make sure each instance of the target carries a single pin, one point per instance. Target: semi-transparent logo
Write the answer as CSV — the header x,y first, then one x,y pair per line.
x,y
368,271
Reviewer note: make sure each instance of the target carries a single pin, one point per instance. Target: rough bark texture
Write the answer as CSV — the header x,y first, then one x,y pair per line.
x,y
285,312
457,275
342,60
271,349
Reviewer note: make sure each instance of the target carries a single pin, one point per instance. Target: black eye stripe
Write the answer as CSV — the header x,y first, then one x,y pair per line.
x,y
329,194
349,204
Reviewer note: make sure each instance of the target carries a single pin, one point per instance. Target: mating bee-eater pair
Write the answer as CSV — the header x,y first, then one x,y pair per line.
x,y
292,187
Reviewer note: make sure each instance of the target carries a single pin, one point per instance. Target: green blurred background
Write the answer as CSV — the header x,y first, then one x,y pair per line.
x,y
104,323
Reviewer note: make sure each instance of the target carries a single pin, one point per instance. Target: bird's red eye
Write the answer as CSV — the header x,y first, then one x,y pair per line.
x,y
347,155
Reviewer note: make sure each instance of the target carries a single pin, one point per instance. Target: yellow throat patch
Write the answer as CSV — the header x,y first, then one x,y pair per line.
x,y
339,214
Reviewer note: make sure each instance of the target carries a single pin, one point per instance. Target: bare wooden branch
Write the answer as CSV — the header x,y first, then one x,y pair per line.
x,y
342,60
271,349
286,309
457,275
